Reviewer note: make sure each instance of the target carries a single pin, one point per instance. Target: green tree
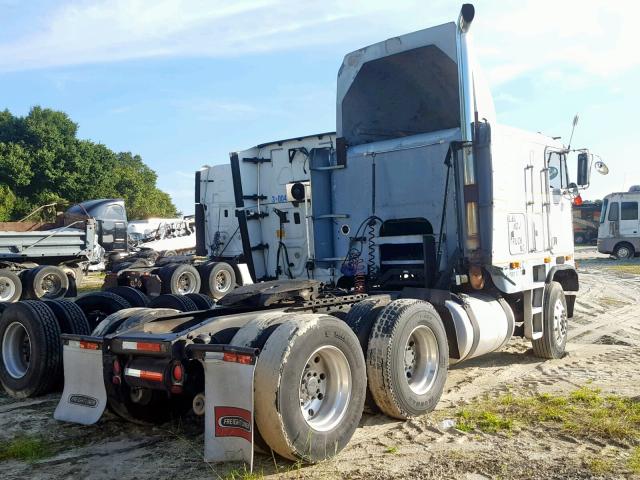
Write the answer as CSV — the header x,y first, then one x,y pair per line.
x,y
42,160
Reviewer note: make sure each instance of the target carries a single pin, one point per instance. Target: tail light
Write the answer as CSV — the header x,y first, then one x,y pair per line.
x,y
177,373
117,372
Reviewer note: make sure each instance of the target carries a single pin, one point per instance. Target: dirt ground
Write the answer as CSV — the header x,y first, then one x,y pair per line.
x,y
603,352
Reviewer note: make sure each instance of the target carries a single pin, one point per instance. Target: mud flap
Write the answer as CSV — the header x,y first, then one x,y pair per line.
x,y
228,434
84,397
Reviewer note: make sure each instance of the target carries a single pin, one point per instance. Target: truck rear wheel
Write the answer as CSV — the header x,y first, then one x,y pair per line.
x,y
309,387
218,279
109,324
178,302
135,297
179,279
71,318
554,336
45,282
203,302
361,319
31,349
99,305
407,359
10,286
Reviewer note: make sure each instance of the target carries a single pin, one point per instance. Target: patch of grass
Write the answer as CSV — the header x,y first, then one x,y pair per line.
x,y
585,412
600,466
634,460
632,269
28,449
243,474
392,450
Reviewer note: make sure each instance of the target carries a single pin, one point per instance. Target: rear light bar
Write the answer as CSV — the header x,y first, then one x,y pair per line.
x,y
238,358
144,374
142,346
83,344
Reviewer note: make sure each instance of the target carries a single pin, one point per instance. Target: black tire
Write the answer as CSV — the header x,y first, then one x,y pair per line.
x,y
45,282
624,251
177,302
109,324
70,317
179,279
554,340
135,297
360,320
99,305
286,356
158,409
39,370
3,306
388,375
579,239
254,335
218,279
10,286
169,253
202,301
140,318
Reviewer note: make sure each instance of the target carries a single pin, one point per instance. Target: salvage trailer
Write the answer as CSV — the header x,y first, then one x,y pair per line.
x,y
40,260
443,234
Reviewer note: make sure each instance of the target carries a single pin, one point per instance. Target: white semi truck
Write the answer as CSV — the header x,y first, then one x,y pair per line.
x,y
440,232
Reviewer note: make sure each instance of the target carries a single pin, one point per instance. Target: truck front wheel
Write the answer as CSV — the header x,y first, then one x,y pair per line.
x,y
309,387
555,324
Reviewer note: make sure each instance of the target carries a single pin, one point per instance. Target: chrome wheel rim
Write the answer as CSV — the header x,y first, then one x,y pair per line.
x,y
16,350
186,283
223,281
51,285
559,322
7,289
421,359
325,388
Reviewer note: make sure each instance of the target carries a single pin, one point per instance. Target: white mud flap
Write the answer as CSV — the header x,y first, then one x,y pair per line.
x,y
228,434
84,397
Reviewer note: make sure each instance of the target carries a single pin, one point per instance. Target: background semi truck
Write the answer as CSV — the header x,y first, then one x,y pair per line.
x,y
434,253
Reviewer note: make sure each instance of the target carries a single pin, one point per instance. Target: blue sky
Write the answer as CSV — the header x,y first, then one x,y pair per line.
x,y
183,83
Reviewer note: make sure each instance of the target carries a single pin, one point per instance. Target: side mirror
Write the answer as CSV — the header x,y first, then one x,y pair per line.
x,y
601,167
583,169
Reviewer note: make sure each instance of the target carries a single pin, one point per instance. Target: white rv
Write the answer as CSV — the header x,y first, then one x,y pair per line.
x,y
619,231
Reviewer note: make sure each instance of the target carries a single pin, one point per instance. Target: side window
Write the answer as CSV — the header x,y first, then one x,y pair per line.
x,y
557,169
613,212
603,212
629,211
114,212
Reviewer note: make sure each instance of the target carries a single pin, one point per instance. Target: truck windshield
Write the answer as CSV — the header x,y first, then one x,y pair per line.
x,y
404,94
603,212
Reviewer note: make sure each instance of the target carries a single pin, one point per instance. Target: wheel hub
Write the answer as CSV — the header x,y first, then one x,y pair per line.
x,y
325,388
7,290
222,281
185,284
421,359
50,284
560,322
16,350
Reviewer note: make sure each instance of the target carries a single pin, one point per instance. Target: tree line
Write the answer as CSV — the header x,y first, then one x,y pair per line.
x,y
42,161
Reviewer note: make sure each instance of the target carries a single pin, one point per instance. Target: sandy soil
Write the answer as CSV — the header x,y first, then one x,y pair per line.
x,y
603,350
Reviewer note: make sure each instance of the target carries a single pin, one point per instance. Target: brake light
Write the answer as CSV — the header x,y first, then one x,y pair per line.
x,y
237,358
177,373
117,369
84,344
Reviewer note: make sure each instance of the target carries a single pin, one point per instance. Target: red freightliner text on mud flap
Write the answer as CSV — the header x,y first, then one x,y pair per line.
x,y
233,422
